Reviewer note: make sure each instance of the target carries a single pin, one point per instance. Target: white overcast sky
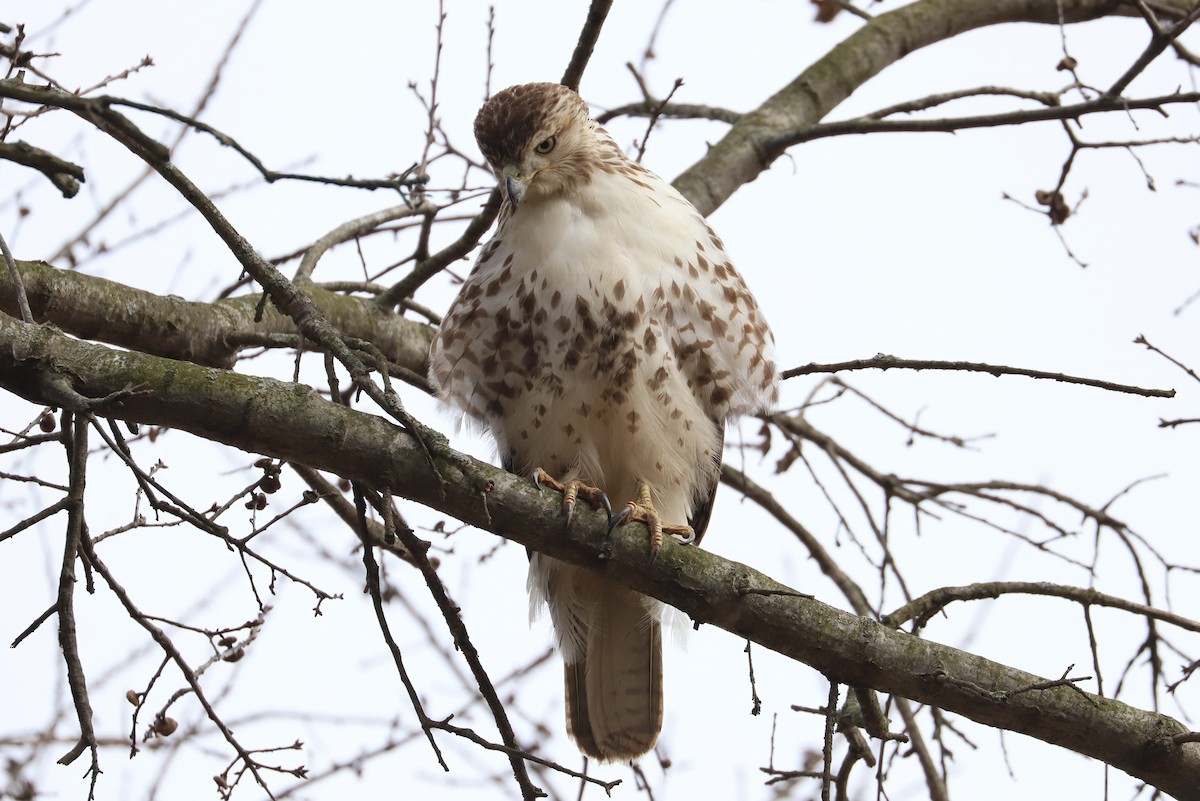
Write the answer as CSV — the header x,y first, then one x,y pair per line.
x,y
899,244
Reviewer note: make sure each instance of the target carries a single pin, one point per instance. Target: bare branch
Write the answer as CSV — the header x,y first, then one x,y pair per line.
x,y
920,610
76,441
786,118
867,125
1160,40
17,283
356,227
921,104
849,648
60,172
1141,340
885,362
597,12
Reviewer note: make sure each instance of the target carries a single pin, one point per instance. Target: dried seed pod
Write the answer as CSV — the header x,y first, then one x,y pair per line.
x,y
164,726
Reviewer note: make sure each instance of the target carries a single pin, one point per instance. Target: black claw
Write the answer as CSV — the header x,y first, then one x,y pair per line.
x,y
570,514
619,518
653,555
607,509
537,479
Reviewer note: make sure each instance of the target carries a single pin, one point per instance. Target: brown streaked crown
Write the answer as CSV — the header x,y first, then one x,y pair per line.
x,y
513,121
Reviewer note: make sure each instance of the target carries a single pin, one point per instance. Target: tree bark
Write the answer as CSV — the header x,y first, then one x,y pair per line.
x,y
753,143
293,422
210,334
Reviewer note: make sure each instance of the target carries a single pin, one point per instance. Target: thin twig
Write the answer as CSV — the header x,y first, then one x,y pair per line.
x,y
171,651
655,115
75,428
885,362
920,610
14,275
372,576
462,641
1141,340
355,228
864,125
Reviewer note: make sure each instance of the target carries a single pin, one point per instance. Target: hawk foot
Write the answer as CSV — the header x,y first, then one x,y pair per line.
x,y
642,511
573,490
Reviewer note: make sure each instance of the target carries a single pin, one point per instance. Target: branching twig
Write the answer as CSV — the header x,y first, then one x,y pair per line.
x,y
456,250
655,114
372,575
1160,40
60,172
75,428
173,653
920,610
865,125
1141,340
885,362
462,642
354,228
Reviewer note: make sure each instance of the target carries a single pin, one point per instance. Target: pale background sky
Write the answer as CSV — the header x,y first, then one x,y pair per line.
x,y
899,244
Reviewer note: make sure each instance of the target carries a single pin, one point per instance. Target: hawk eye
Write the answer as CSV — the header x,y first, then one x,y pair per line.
x,y
546,145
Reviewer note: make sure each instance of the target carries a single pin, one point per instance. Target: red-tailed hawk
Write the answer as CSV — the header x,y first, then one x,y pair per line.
x,y
604,337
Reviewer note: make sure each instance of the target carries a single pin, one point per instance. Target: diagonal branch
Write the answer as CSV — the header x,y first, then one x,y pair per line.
x,y
758,137
293,422
60,172
211,334
1160,40
286,296
597,12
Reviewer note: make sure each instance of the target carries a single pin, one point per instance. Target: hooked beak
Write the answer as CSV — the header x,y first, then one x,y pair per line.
x,y
514,184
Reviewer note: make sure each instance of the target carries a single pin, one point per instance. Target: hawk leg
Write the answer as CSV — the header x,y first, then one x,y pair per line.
x,y
642,511
572,490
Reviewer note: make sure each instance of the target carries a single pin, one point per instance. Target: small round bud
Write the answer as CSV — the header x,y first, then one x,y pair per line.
x,y
164,726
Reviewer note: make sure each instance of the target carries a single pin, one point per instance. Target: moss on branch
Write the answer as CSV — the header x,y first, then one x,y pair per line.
x,y
294,422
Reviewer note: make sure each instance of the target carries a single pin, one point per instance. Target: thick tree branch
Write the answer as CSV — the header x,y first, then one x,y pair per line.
x,y
286,296
761,136
205,333
293,422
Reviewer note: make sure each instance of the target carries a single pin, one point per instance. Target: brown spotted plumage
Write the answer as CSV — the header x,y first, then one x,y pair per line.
x,y
604,338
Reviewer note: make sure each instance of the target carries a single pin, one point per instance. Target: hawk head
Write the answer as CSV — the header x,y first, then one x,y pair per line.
x,y
540,140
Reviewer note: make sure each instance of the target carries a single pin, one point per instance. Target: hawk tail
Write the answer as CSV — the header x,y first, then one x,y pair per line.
x,y
614,695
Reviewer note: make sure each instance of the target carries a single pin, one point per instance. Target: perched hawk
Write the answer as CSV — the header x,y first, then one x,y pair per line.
x,y
604,337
